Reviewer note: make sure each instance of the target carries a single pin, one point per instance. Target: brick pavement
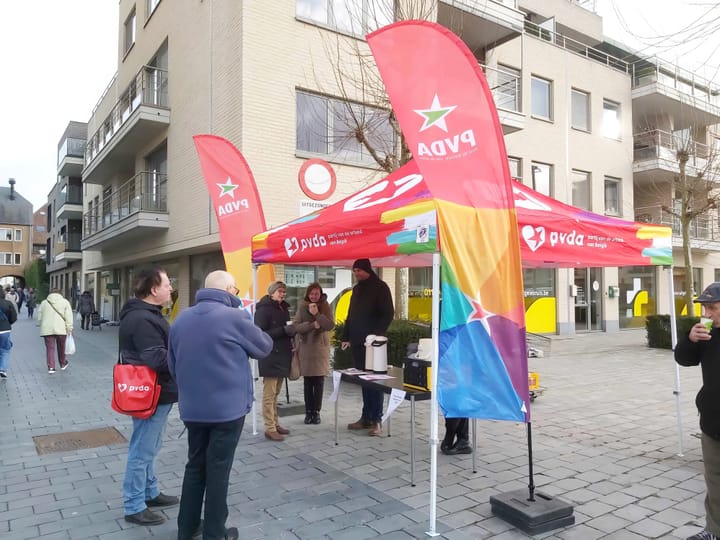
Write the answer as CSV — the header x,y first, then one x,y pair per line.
x,y
604,434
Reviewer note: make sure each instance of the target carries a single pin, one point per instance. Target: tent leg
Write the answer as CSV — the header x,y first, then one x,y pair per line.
x,y
673,337
433,389
253,363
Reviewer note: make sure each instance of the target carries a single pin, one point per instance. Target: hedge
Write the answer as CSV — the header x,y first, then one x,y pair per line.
x,y
658,329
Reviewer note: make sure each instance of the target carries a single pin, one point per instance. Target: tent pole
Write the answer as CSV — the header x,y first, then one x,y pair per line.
x,y
253,362
531,481
673,338
433,390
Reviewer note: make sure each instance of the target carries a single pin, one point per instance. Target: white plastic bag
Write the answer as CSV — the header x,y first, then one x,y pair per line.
x,y
69,345
78,317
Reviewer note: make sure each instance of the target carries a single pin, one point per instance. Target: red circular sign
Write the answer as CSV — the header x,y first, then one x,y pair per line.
x,y
317,179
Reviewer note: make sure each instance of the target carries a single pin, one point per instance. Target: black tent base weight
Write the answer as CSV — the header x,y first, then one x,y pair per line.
x,y
543,514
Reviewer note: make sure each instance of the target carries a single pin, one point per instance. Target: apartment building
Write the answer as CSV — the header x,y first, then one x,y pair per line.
x,y
272,77
16,229
63,253
40,235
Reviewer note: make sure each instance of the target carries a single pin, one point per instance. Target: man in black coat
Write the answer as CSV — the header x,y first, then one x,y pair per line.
x,y
702,346
371,311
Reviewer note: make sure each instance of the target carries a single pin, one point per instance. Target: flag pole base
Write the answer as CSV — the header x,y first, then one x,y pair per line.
x,y
542,514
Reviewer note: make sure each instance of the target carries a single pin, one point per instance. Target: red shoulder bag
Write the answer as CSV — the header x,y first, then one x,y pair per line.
x,y
135,390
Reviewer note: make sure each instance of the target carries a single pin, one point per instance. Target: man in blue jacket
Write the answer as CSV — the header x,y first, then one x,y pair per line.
x,y
208,356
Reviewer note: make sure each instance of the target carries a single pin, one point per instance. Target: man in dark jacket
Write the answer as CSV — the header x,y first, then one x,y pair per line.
x,y
371,311
143,339
702,346
8,316
210,346
272,315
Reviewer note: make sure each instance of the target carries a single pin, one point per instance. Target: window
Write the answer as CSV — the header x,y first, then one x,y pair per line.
x,y
580,117
357,17
612,196
6,234
7,258
611,119
129,31
542,178
507,90
541,98
18,258
18,235
515,165
150,6
327,126
580,189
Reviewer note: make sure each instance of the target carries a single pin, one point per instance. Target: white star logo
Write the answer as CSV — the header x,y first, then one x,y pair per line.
x,y
479,313
435,115
228,188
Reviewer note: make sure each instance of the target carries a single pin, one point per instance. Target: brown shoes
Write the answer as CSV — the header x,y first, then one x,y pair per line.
x,y
375,430
274,436
360,424
282,430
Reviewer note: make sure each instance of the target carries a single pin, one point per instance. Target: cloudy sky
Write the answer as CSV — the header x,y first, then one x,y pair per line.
x,y
57,57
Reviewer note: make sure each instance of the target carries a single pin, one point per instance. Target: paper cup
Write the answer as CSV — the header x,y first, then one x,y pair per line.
x,y
707,323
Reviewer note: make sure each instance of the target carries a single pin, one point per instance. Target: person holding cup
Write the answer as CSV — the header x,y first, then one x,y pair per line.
x,y
701,346
272,315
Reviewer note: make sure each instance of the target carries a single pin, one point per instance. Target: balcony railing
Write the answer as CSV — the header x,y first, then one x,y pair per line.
x,y
68,242
703,227
658,144
71,148
505,87
149,87
71,194
575,46
654,70
144,192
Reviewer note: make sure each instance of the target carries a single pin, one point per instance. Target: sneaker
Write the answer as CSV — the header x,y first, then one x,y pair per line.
x,y
232,534
360,424
146,517
163,500
703,535
64,367
3,375
52,371
308,417
316,418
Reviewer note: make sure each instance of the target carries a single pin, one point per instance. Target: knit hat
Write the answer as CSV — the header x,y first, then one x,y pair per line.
x,y
363,264
275,286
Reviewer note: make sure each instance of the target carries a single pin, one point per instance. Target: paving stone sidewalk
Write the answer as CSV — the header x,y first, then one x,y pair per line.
x,y
604,433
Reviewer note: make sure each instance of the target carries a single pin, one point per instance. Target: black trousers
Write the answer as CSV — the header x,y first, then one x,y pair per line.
x,y
313,393
456,428
373,400
211,450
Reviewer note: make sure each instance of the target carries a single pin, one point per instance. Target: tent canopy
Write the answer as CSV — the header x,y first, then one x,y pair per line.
x,y
393,222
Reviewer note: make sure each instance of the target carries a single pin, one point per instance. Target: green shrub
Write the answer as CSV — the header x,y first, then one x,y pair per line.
x,y
400,334
658,329
37,278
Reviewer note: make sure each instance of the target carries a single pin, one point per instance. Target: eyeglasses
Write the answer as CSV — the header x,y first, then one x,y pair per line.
x,y
237,291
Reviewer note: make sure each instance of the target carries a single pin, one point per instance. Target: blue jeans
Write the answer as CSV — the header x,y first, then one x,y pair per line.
x,y
5,346
372,399
140,483
211,450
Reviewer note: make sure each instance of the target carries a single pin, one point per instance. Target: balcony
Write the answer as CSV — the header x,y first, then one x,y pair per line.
x,y
677,93
69,203
484,24
140,115
68,248
137,207
704,230
71,157
655,157
506,90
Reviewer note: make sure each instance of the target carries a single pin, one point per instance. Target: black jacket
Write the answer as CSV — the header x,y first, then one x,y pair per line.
x,y
10,315
143,339
272,318
707,354
370,312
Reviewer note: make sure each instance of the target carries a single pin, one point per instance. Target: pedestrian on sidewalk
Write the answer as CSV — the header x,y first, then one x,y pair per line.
x,y
11,296
313,322
8,316
701,346
86,306
56,324
143,339
456,440
30,302
208,356
272,315
370,312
